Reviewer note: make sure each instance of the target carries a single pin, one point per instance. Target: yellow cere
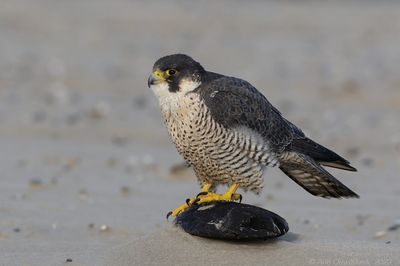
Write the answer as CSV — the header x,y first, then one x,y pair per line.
x,y
159,74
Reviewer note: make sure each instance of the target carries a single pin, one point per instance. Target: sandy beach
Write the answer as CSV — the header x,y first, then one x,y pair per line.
x,y
88,170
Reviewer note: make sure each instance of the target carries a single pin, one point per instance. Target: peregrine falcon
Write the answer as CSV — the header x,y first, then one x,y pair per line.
x,y
229,133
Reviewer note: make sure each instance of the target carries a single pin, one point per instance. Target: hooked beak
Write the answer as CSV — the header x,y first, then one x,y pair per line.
x,y
151,80
155,78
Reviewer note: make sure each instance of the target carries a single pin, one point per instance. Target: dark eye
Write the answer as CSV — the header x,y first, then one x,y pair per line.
x,y
171,72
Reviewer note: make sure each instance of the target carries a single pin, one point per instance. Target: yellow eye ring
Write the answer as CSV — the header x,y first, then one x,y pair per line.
x,y
171,72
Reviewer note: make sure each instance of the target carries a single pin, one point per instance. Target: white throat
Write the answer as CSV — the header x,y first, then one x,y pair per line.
x,y
170,101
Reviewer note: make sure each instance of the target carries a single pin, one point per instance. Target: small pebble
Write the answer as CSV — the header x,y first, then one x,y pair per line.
x,y
388,242
101,110
395,226
83,194
351,86
71,164
68,260
17,230
104,228
304,220
91,225
125,190
36,183
380,234
269,197
361,219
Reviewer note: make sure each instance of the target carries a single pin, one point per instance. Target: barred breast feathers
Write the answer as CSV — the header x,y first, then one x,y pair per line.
x,y
243,154
252,144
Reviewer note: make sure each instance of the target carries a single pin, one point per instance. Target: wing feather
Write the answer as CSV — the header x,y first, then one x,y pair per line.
x,y
234,102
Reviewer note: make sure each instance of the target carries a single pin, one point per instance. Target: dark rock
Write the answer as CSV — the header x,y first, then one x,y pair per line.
x,y
394,227
232,221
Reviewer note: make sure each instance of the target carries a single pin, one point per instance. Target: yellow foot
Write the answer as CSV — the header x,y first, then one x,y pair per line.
x,y
189,202
230,195
205,197
182,208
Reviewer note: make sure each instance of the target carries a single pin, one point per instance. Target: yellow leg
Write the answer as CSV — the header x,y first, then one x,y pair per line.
x,y
229,195
206,187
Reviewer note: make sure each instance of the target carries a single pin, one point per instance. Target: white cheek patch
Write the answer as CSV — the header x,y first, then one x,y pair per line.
x,y
188,85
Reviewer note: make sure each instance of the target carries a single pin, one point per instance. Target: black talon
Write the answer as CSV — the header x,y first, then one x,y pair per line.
x,y
240,198
187,202
202,194
168,215
196,200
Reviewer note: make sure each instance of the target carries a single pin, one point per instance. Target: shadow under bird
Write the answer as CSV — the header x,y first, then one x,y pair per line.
x,y
229,133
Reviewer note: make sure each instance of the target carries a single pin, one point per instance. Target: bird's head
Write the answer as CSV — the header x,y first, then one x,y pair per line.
x,y
177,73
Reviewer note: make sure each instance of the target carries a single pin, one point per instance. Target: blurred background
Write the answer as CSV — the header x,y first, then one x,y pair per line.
x,y
86,163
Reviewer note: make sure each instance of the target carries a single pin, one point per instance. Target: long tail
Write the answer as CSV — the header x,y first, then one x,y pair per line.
x,y
310,175
320,154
